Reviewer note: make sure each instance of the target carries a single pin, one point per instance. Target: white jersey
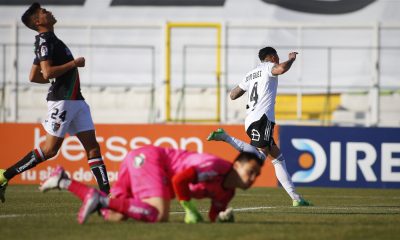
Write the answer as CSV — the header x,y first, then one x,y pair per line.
x,y
261,86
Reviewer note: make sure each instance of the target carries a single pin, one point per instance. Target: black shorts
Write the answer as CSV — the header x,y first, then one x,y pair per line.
x,y
261,133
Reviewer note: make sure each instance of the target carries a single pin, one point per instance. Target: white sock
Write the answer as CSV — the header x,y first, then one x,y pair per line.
x,y
284,177
243,147
64,183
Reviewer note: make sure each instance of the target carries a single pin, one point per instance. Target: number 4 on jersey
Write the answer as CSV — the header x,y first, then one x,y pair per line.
x,y
254,94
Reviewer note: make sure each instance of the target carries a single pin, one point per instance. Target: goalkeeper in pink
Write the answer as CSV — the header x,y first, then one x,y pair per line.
x,y
149,177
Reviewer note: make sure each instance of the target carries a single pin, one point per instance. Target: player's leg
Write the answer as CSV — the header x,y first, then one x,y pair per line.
x,y
281,172
284,177
31,159
82,126
262,137
141,192
3,185
261,134
58,179
38,155
120,189
115,209
155,209
95,160
92,199
162,205
148,182
221,135
56,125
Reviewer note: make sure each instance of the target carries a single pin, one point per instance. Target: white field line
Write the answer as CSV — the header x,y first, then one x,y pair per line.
x,y
11,215
253,195
248,209
33,215
309,196
323,196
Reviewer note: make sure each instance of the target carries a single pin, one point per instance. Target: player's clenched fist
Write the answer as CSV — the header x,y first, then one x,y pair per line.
x,y
292,55
79,62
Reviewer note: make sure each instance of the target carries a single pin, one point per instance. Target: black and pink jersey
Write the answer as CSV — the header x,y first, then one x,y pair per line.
x,y
66,86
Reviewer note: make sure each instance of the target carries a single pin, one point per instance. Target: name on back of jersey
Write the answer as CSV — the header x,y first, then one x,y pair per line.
x,y
253,75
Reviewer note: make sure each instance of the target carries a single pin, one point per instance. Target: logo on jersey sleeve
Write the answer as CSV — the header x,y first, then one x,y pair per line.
x,y
44,51
41,41
138,160
313,160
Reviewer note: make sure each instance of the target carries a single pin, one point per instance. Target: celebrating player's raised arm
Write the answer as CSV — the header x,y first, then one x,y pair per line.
x,y
281,68
236,93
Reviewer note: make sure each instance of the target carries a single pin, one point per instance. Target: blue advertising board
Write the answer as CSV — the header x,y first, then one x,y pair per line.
x,y
342,156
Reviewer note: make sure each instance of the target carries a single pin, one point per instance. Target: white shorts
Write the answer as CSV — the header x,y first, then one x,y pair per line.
x,y
67,116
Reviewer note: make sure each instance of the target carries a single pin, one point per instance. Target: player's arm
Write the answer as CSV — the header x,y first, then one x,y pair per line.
x,y
50,71
219,211
180,183
36,76
285,66
236,93
215,210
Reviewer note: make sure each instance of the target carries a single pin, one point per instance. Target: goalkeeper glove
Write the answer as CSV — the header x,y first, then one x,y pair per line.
x,y
192,215
226,216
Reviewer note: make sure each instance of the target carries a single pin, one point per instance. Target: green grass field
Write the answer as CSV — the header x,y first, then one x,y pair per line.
x,y
261,213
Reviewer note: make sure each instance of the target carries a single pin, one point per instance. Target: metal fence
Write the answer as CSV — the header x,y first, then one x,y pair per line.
x,y
123,79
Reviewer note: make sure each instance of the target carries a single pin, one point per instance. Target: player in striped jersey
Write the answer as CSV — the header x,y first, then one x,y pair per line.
x,y
67,109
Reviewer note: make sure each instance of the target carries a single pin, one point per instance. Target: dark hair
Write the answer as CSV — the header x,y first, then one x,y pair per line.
x,y
265,52
27,17
247,156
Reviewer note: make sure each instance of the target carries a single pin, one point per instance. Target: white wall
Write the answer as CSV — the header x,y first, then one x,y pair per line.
x,y
125,45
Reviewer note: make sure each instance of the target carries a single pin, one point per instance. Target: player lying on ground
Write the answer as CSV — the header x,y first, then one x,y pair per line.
x,y
221,135
150,176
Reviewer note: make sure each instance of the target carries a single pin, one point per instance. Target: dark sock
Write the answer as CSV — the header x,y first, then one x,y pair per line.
x,y
100,173
29,161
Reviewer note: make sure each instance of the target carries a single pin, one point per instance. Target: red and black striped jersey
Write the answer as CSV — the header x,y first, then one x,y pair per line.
x,y
66,86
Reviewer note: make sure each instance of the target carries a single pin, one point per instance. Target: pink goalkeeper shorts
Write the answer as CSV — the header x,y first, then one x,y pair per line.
x,y
143,174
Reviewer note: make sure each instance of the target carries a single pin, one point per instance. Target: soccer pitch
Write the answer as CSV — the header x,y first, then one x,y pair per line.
x,y
261,213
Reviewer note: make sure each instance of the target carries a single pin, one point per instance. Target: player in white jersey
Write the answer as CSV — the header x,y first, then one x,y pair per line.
x,y
262,83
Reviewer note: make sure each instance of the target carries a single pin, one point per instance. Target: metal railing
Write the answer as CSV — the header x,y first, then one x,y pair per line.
x,y
11,88
238,56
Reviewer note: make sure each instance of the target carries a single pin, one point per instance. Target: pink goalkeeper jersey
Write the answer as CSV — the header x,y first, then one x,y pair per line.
x,y
148,172
211,171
